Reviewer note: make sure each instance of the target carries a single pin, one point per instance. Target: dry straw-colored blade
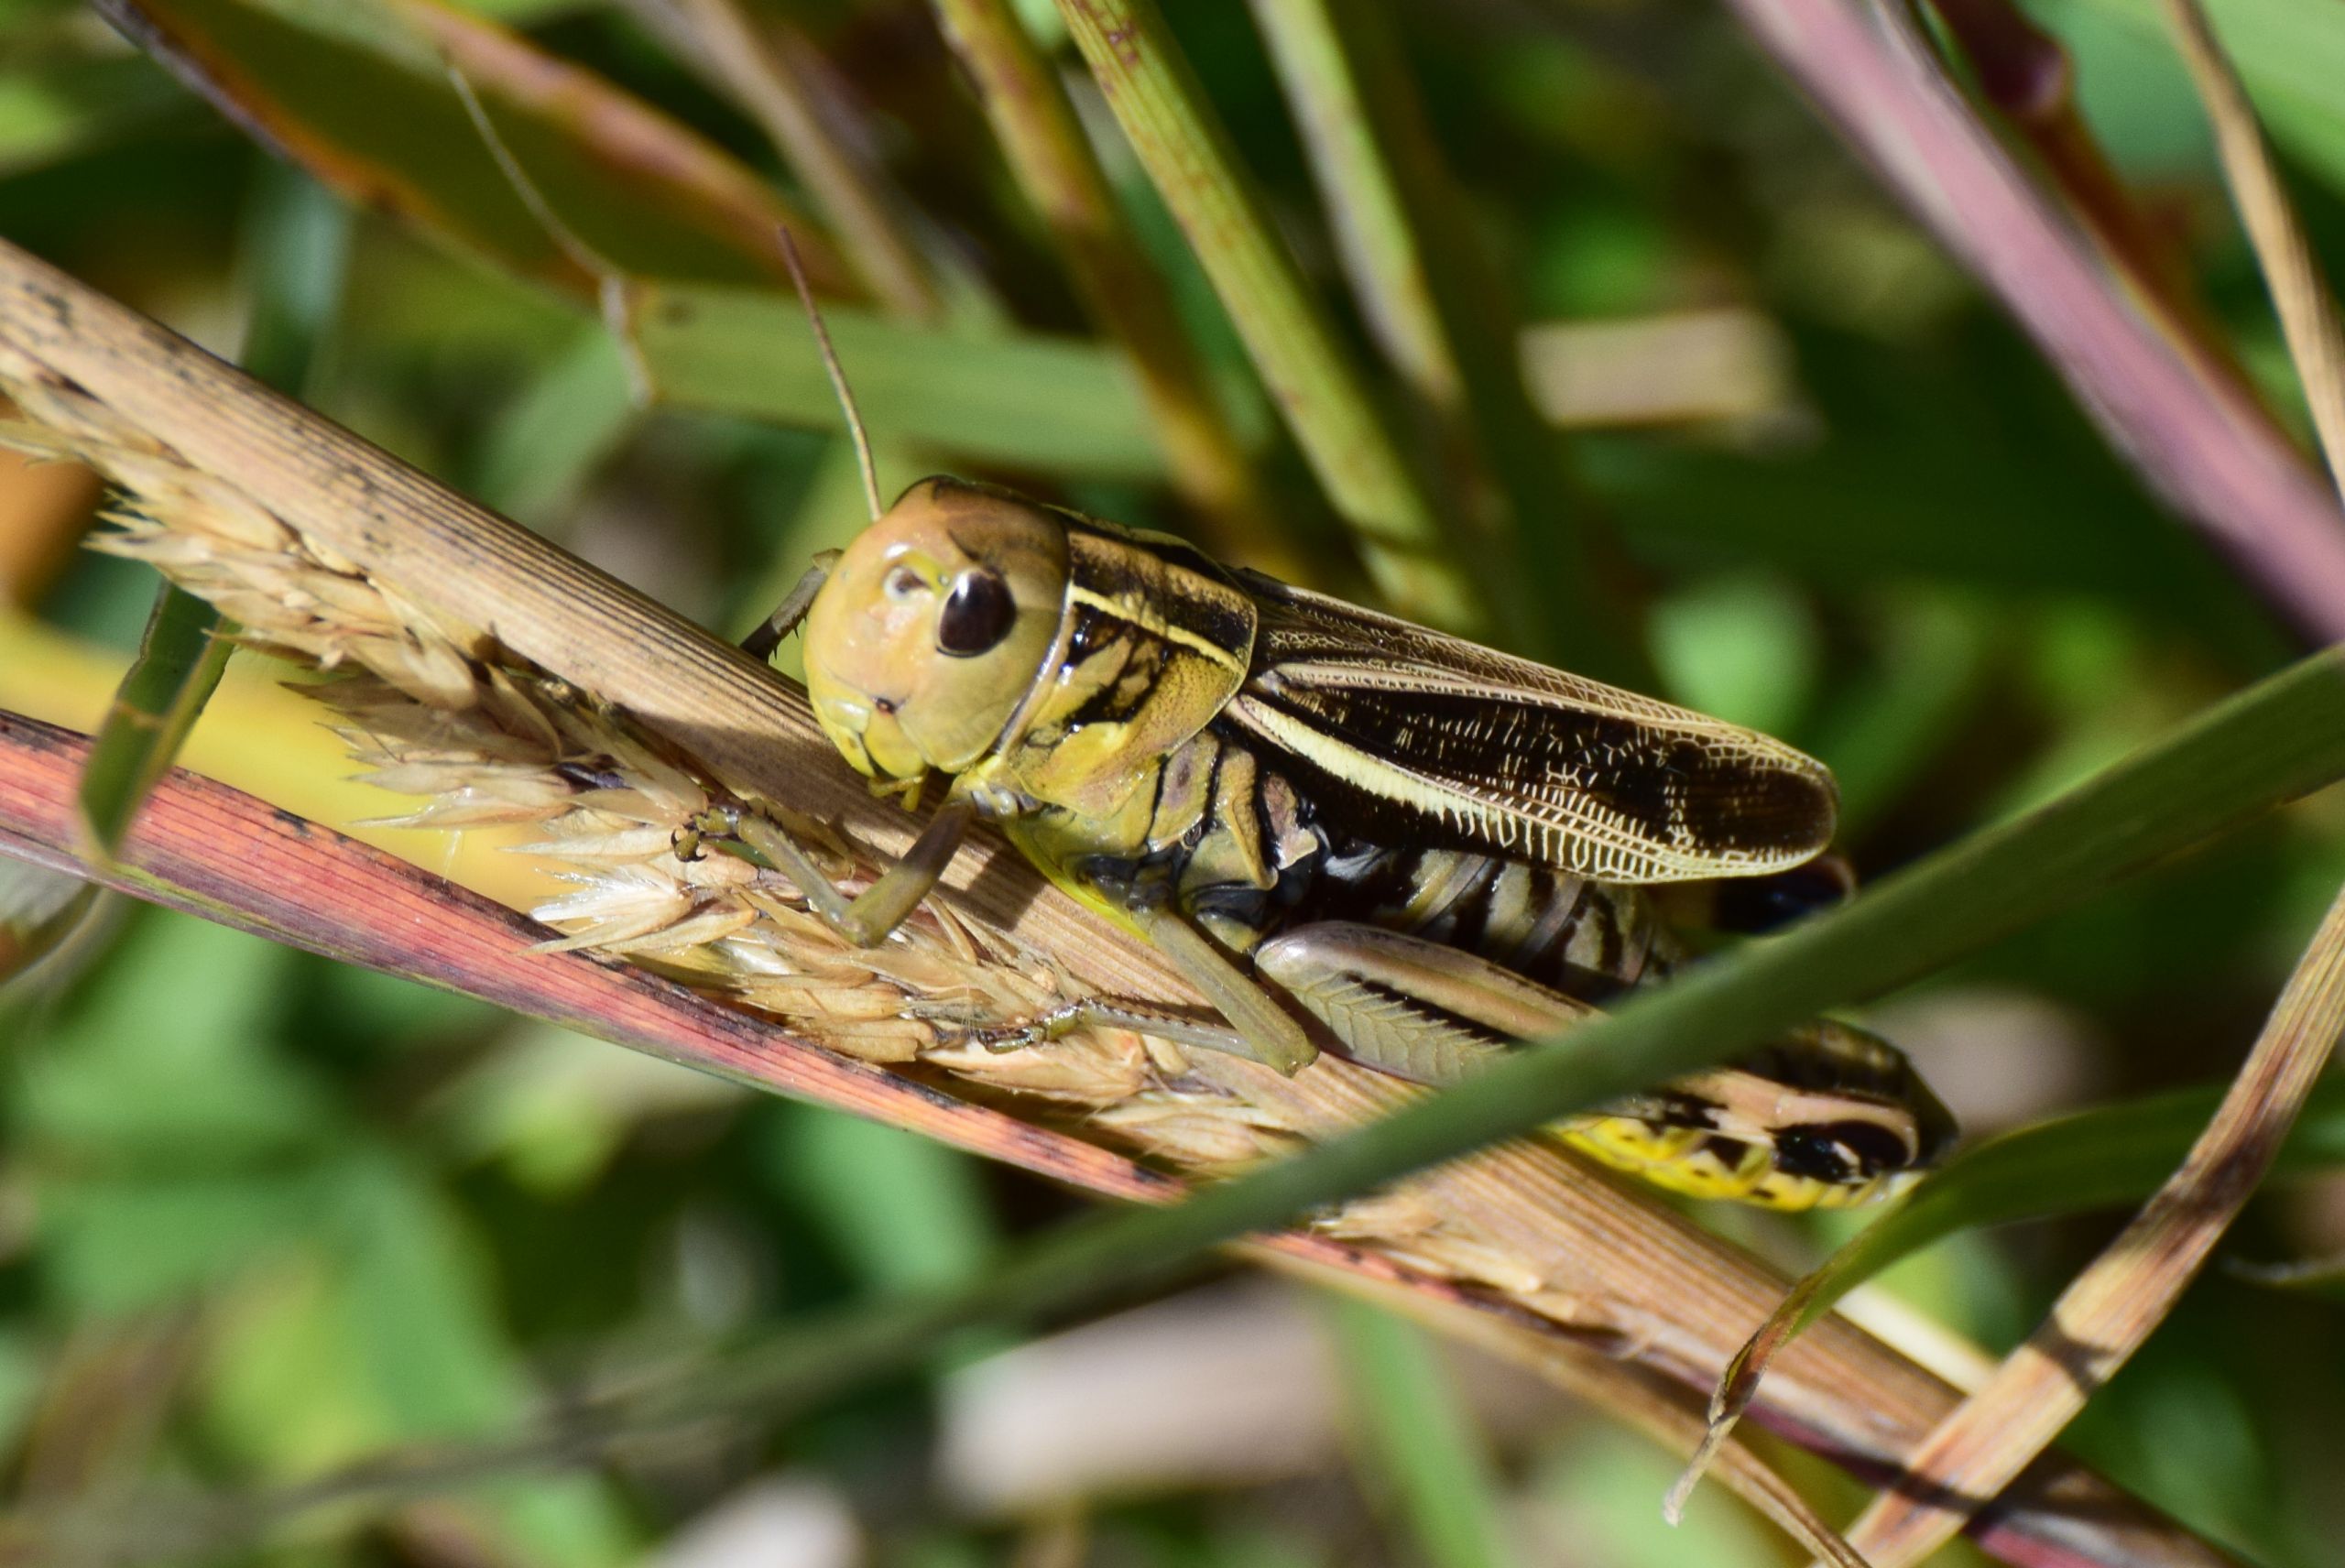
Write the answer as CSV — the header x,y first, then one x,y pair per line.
x,y
360,559
2307,309
2115,1304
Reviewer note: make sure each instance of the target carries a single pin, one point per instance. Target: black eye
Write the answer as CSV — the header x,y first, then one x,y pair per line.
x,y
977,614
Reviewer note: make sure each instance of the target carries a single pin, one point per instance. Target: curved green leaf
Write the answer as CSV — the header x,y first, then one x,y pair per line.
x,y
2098,1158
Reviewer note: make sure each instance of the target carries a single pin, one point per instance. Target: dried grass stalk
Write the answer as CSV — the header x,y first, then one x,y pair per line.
x,y
2307,314
323,547
2107,1311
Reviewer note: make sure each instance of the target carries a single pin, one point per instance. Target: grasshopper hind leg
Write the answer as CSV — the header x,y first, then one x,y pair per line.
x,y
1255,1028
1826,1117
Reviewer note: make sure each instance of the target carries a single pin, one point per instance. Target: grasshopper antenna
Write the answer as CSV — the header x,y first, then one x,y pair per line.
x,y
838,376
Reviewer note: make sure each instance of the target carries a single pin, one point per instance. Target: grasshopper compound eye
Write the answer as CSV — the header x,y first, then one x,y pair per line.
x,y
977,614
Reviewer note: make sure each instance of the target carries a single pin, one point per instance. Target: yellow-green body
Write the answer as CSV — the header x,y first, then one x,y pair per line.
x,y
1107,758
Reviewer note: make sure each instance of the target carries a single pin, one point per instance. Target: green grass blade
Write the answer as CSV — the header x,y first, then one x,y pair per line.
x,y
1034,121
1419,1445
1332,72
2099,1159
1439,310
178,663
1181,141
1054,405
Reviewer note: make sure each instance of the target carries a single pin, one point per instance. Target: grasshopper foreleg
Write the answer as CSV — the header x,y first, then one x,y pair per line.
x,y
865,919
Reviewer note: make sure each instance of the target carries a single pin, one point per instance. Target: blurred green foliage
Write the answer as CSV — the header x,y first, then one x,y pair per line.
x,y
323,1211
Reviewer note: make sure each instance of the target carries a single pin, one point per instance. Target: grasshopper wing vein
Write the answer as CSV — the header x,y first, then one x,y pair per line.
x,y
1407,729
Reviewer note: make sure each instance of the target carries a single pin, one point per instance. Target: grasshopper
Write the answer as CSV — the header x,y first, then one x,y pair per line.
x,y
1343,828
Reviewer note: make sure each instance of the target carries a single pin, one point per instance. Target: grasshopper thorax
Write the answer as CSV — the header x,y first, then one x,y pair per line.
x,y
933,627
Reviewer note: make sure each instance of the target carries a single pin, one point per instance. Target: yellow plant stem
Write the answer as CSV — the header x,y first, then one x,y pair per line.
x,y
267,741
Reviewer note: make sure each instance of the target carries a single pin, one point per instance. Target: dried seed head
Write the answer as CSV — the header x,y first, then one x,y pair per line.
x,y
435,709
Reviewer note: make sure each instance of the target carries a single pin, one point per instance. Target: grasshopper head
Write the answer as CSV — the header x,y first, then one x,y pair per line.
x,y
933,627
